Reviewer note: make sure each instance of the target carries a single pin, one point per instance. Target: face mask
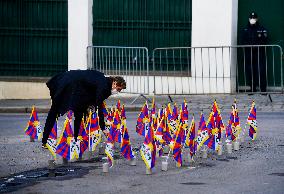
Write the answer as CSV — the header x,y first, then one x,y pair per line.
x,y
114,91
252,21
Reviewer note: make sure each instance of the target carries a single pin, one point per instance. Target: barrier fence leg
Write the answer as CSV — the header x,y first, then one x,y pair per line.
x,y
147,99
269,96
170,98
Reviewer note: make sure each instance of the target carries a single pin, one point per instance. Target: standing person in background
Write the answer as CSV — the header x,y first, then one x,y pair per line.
x,y
77,90
255,56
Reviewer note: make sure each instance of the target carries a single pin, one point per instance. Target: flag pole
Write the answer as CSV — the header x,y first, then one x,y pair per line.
x,y
90,119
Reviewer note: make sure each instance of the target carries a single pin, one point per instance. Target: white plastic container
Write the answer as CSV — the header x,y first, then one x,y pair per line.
x,y
164,166
133,162
229,147
204,153
105,167
166,150
220,150
236,145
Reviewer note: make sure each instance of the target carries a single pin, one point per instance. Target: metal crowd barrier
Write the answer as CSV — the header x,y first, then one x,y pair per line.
x,y
132,63
215,70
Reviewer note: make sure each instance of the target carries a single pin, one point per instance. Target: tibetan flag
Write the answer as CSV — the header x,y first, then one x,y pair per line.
x,y
70,114
126,148
33,128
217,116
159,148
52,140
115,129
177,146
161,114
153,109
215,127
105,109
233,129
143,121
213,140
84,139
184,119
175,112
214,132
184,114
190,139
67,147
122,114
236,127
74,148
109,151
160,132
93,131
202,133
148,149
109,120
112,121
153,116
118,107
162,128
251,120
172,120
229,127
167,138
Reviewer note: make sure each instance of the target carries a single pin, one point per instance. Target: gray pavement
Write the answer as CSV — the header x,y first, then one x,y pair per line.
x,y
258,167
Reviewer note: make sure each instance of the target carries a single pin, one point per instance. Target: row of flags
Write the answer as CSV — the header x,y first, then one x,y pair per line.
x,y
166,126
89,136
118,132
170,127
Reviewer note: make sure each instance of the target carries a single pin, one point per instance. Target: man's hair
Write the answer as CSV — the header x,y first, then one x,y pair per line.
x,y
119,80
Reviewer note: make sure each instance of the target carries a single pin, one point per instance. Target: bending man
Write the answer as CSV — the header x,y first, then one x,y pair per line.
x,y
77,90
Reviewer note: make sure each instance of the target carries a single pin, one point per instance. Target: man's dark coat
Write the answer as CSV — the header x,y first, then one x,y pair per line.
x,y
76,90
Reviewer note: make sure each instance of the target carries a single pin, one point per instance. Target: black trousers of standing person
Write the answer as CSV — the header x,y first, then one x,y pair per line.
x,y
51,118
255,65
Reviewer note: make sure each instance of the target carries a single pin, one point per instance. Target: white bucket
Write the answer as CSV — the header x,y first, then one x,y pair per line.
x,y
105,167
204,153
229,147
166,150
236,145
133,162
164,166
220,150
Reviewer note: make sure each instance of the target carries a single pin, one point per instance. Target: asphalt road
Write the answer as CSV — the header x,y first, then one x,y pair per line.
x,y
258,167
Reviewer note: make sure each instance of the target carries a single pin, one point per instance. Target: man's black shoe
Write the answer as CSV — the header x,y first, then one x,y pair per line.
x,y
44,146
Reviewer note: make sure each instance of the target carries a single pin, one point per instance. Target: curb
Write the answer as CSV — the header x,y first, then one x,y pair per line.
x,y
136,108
46,109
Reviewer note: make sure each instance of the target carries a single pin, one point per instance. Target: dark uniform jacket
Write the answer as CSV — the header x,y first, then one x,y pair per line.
x,y
76,90
255,56
254,35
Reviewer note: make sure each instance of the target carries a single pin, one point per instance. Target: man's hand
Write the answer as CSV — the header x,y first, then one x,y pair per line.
x,y
92,108
106,132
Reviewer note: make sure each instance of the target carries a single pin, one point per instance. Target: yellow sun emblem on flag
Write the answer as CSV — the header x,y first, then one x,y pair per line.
x,y
36,124
215,131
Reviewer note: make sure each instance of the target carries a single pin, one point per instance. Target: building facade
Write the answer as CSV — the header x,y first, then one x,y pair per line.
x,y
42,37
